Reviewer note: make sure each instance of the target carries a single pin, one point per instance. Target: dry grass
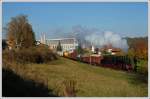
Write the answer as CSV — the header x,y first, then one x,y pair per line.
x,y
91,80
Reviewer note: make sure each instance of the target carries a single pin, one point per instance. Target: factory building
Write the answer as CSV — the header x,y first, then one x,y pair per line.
x,y
67,44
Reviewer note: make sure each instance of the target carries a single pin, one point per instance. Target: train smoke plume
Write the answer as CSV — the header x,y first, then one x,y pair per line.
x,y
87,36
107,38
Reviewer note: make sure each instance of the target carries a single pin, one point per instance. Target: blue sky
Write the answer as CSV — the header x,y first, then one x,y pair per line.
x,y
126,19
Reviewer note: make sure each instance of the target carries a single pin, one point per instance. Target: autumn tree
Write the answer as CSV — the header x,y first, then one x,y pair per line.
x,y
19,32
138,51
138,47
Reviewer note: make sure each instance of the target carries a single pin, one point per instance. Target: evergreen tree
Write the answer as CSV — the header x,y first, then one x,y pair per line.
x,y
59,48
79,49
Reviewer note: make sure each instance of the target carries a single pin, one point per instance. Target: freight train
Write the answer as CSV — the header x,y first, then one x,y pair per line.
x,y
111,61
117,62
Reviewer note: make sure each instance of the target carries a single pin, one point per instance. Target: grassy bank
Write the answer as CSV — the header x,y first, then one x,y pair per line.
x,y
90,80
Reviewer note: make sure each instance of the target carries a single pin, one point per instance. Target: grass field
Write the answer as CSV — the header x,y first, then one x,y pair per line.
x,y
91,80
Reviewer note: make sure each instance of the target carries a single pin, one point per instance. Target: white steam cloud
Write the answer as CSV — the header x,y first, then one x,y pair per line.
x,y
87,36
107,38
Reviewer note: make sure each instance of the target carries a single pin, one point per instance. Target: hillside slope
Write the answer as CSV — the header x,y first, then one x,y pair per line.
x,y
91,80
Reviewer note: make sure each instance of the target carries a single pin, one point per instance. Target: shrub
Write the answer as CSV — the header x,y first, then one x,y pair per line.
x,y
39,54
142,67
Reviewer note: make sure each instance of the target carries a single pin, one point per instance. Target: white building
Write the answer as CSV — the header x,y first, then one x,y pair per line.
x,y
43,39
67,44
110,51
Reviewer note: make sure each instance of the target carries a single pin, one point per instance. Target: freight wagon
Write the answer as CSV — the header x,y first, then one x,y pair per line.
x,y
117,62
111,61
92,59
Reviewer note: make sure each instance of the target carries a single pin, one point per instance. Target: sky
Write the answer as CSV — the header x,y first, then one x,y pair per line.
x,y
53,19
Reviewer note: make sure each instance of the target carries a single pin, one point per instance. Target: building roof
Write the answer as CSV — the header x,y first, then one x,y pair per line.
x,y
61,40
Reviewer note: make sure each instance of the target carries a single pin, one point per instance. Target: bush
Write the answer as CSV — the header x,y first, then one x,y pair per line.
x,y
39,54
142,67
